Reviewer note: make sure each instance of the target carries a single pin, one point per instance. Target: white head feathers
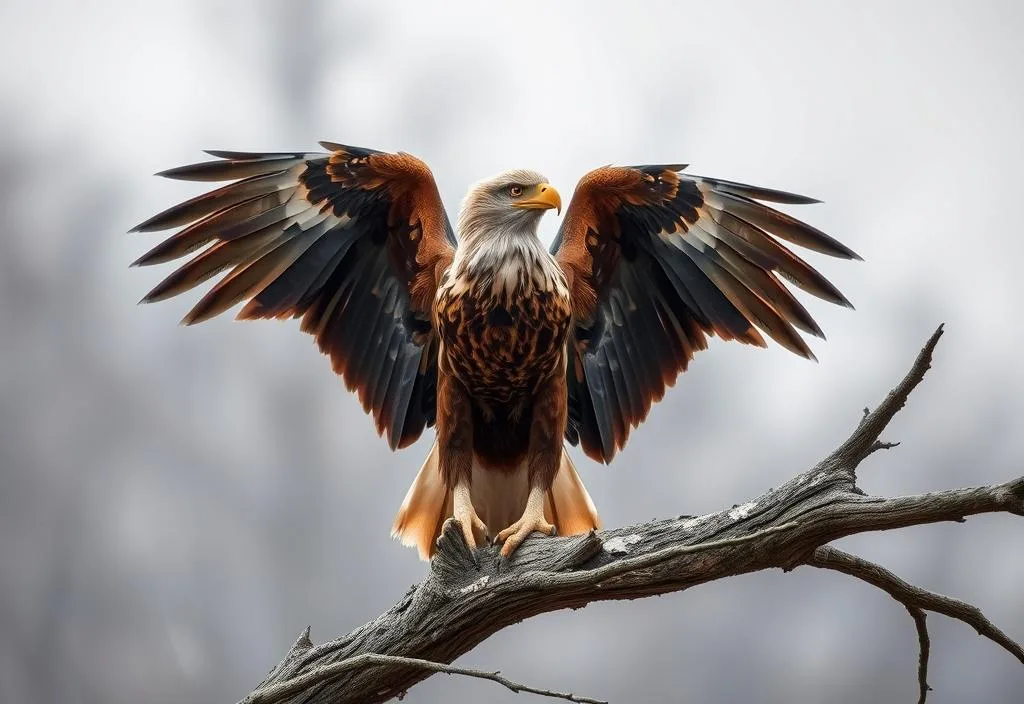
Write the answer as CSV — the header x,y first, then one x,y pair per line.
x,y
492,207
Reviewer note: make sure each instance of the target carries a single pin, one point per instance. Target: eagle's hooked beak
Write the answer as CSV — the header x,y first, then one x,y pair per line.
x,y
544,197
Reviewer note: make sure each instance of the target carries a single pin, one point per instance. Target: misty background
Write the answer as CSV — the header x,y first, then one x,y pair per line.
x,y
176,505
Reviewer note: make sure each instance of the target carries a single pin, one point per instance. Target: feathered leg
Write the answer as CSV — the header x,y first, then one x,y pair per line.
x,y
543,460
455,454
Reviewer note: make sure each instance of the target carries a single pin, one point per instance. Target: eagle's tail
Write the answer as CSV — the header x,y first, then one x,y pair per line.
x,y
426,506
428,503
568,504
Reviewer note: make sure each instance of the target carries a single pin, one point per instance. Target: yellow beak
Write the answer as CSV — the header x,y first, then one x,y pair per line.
x,y
544,197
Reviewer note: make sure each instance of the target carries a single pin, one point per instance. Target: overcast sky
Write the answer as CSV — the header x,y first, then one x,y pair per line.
x,y
177,504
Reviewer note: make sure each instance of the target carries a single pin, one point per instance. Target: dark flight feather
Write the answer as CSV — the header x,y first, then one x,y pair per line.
x,y
231,169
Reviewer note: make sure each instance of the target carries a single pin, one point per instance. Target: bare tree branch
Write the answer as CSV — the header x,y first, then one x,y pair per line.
x,y
468,597
925,643
280,691
913,597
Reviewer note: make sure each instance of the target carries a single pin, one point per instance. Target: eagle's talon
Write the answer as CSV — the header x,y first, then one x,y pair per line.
x,y
532,521
471,527
465,514
513,536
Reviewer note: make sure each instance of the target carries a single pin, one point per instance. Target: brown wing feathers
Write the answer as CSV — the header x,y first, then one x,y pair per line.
x,y
656,262
354,242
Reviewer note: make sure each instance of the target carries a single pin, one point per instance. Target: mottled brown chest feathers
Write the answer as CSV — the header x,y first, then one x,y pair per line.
x,y
502,342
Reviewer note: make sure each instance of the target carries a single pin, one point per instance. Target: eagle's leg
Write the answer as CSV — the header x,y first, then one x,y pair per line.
x,y
473,529
544,457
455,453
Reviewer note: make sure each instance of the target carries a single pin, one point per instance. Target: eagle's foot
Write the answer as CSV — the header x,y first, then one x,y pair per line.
x,y
474,530
532,520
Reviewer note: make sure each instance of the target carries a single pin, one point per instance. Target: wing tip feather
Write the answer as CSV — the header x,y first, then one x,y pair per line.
x,y
840,300
149,225
157,294
194,317
176,173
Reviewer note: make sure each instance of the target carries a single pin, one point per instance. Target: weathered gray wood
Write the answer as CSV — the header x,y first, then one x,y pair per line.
x,y
468,597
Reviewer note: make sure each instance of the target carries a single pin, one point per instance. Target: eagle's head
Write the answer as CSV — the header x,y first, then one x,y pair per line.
x,y
510,203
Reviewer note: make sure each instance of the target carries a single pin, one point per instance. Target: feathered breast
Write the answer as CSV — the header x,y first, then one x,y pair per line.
x,y
503,315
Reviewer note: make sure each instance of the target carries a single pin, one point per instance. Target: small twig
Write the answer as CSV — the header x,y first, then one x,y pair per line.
x,y
916,600
325,673
881,445
925,649
860,443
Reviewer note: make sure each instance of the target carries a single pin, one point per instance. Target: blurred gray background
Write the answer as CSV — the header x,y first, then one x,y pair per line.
x,y
176,505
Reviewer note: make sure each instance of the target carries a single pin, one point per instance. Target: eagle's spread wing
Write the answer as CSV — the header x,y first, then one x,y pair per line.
x,y
656,261
355,242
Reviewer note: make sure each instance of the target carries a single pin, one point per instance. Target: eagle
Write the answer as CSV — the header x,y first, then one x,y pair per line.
x,y
508,349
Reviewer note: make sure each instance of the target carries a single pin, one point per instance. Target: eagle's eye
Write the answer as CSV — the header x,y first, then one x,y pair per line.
x,y
515,191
